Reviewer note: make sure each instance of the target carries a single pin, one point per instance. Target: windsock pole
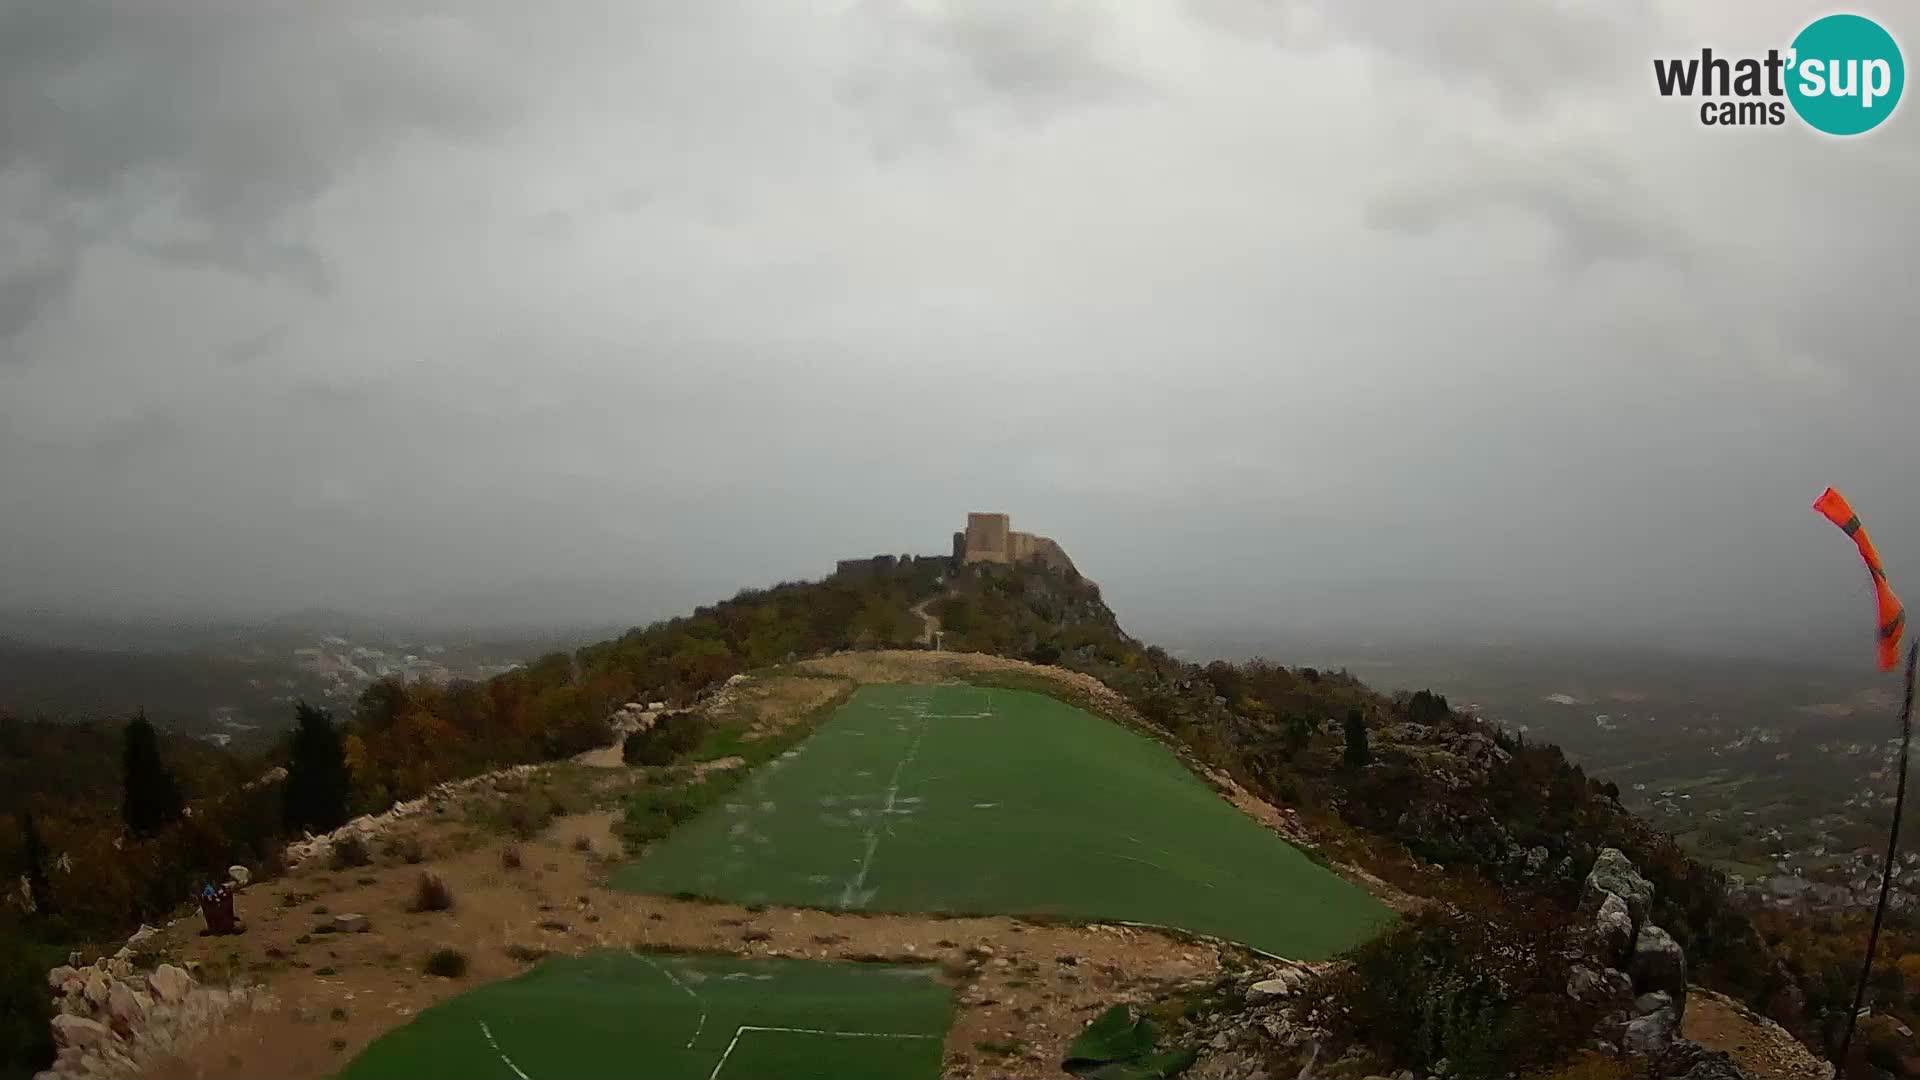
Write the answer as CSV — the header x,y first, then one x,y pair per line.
x,y
1886,869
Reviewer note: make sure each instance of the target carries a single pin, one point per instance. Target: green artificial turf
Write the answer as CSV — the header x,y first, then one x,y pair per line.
x,y
677,1017
965,800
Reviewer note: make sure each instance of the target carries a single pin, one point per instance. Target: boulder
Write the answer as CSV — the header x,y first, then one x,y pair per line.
x,y
125,1011
1653,1033
141,935
1658,964
78,1031
351,922
170,984
1270,989
1603,987
96,988
1613,873
57,978
239,875
1648,1004
1612,930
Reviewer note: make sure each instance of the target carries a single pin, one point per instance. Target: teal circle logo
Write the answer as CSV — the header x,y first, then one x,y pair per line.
x,y
1845,75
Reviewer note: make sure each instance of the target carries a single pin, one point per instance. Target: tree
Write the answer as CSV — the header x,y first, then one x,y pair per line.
x,y
1299,732
318,783
1358,754
34,855
152,801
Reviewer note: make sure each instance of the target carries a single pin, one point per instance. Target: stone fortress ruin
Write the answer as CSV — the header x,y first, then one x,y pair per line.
x,y
990,538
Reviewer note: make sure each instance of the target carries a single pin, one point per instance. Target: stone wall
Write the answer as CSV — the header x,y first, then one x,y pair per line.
x,y
990,539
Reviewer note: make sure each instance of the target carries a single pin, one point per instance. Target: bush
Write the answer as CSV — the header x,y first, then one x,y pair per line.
x,y
26,1042
446,963
510,857
672,735
431,894
350,851
408,850
1486,992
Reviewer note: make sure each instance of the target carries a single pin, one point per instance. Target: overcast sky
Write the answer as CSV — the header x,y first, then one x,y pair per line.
x,y
1363,315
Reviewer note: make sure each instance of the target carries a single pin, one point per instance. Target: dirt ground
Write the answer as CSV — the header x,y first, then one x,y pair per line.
x,y
1026,987
1756,1044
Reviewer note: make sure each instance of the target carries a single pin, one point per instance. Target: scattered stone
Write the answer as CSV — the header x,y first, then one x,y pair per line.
x,y
351,923
96,988
1270,989
78,1031
170,984
125,1011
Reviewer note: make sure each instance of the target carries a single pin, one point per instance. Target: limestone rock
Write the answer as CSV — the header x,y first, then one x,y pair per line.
x,y
1612,932
1648,1004
351,923
170,984
57,978
1613,873
239,875
1269,989
1653,1033
1603,987
96,988
125,1010
1658,964
78,1031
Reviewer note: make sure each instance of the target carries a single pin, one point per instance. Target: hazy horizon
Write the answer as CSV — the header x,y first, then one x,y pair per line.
x,y
1387,319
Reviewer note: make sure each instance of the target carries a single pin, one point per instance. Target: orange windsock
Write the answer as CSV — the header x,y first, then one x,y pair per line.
x,y
1893,618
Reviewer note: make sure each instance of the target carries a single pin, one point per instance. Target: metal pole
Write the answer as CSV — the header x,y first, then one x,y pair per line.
x,y
1886,871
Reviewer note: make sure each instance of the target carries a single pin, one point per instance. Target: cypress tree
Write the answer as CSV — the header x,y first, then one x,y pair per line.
x,y
34,853
318,781
152,800
1358,753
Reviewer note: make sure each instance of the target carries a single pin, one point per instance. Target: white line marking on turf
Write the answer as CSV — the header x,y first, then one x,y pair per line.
x,y
855,893
488,1032
744,1028
698,1027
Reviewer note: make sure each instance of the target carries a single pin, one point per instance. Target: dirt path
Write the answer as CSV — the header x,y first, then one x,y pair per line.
x,y
929,623
1024,990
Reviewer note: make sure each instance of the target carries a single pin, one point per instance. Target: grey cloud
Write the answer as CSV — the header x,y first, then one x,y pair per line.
x,y
218,123
1594,213
924,69
24,294
622,294
1526,55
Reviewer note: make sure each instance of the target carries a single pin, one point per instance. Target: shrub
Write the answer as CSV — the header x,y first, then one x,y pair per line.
x,y
350,851
431,894
26,1042
510,857
672,735
446,963
1486,992
583,844
408,850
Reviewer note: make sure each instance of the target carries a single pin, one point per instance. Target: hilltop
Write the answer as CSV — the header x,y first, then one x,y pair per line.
x,y
1476,836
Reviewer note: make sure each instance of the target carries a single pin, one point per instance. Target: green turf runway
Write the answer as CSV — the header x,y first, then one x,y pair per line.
x,y
677,1017
960,799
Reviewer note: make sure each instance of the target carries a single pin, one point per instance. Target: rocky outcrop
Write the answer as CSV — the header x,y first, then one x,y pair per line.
x,y
116,1021
1631,956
